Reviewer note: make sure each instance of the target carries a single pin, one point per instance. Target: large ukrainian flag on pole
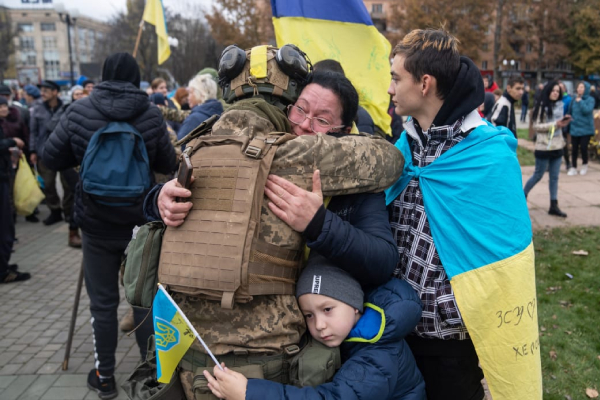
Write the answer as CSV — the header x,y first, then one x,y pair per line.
x,y
341,30
473,197
154,14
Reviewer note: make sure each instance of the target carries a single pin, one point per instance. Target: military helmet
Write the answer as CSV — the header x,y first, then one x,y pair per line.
x,y
278,75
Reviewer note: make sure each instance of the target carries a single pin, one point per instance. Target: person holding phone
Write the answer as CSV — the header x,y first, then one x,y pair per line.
x,y
548,120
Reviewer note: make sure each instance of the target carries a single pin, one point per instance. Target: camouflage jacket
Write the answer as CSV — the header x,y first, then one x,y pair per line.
x,y
349,164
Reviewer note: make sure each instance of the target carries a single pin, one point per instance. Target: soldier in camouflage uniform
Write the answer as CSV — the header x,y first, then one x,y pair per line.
x,y
353,231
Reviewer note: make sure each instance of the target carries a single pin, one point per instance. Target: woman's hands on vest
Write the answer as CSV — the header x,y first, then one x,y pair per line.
x,y
228,385
292,204
172,212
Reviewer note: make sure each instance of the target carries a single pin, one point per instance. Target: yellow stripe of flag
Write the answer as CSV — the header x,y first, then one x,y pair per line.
x,y
154,14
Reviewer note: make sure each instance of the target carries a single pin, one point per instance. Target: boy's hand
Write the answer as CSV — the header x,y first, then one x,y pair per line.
x,y
229,385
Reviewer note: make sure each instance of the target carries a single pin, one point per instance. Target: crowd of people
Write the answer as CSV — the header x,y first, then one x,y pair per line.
x,y
377,282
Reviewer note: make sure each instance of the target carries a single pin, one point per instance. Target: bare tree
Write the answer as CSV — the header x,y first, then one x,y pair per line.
x,y
197,49
246,23
466,19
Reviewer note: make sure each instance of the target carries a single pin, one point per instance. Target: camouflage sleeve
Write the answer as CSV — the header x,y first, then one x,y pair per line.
x,y
173,114
349,164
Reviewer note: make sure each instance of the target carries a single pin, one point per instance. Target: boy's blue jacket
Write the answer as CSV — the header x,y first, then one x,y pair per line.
x,y
378,363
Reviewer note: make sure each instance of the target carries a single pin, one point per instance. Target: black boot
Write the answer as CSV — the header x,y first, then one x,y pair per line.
x,y
54,217
554,210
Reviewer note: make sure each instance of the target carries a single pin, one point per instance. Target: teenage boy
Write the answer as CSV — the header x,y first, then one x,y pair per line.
x,y
461,226
503,113
377,362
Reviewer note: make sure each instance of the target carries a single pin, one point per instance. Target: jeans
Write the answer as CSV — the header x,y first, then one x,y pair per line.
x,y
524,113
541,165
101,264
580,142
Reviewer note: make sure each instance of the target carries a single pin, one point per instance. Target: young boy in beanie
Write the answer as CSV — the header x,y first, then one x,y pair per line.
x,y
377,361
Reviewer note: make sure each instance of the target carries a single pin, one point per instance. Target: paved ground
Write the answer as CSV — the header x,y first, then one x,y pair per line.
x,y
35,319
35,314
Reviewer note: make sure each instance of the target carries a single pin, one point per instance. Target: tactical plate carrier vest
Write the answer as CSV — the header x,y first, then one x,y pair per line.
x,y
231,246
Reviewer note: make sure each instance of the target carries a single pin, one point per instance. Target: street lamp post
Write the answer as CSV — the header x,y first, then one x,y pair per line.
x,y
69,18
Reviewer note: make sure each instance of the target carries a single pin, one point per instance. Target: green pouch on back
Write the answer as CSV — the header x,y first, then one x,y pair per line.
x,y
140,277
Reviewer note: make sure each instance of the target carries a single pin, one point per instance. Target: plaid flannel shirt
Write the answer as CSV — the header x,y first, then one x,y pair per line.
x,y
420,263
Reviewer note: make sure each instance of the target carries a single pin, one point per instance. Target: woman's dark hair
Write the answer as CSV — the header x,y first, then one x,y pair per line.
x,y
343,89
543,107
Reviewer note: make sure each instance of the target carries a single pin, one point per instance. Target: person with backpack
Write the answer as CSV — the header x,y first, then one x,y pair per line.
x,y
118,138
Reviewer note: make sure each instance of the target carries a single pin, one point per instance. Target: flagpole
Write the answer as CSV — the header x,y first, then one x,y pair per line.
x,y
191,326
139,36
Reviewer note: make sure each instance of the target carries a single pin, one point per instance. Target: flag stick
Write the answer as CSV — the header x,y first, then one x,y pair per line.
x,y
191,326
139,36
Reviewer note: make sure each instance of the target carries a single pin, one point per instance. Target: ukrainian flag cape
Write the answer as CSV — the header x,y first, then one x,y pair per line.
x,y
479,221
341,30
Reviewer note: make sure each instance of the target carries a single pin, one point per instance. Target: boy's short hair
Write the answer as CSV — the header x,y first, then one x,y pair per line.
x,y
498,92
513,80
433,52
320,276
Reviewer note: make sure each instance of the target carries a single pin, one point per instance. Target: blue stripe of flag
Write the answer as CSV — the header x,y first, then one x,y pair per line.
x,y
333,10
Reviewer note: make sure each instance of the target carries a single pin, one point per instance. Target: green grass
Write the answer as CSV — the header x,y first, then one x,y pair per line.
x,y
525,156
523,133
569,310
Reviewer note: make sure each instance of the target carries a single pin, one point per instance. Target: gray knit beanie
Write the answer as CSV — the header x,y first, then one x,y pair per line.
x,y
322,277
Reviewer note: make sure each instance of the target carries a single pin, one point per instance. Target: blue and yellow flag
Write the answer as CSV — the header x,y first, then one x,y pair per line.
x,y
173,335
341,30
473,197
154,14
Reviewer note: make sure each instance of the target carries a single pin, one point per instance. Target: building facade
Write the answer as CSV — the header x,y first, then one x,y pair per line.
x,y
42,44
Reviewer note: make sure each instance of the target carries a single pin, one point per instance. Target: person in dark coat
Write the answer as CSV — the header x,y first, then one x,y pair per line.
x,y
203,101
8,273
106,231
39,119
377,362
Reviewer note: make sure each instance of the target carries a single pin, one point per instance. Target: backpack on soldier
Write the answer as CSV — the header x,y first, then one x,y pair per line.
x,y
115,170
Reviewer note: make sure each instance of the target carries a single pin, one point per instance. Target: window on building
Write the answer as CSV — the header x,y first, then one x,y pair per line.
x,y
484,65
51,64
377,8
82,37
49,42
485,47
26,43
28,59
48,26
91,39
527,66
25,27
52,69
529,48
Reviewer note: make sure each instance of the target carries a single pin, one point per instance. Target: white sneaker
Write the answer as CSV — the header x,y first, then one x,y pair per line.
x,y
572,171
583,169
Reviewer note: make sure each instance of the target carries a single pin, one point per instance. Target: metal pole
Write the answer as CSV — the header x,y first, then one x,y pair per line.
x,y
68,20
65,364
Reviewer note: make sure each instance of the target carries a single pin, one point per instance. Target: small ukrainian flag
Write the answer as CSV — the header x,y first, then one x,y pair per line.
x,y
173,334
